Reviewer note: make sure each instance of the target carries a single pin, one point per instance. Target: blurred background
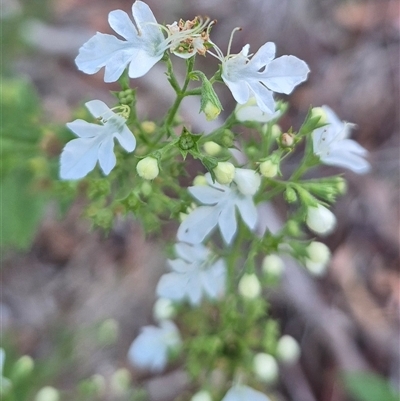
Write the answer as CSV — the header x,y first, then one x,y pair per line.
x,y
74,299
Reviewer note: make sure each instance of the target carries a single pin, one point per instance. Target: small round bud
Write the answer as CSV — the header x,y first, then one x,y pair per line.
x,y
269,169
108,332
120,381
212,148
22,368
147,168
265,367
201,396
227,138
320,220
99,383
290,195
148,127
287,140
146,188
249,286
318,257
276,131
224,172
200,180
272,265
319,112
163,309
288,350
48,393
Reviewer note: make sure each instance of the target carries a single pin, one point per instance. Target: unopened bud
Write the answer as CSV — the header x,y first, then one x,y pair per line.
x,y
265,367
320,220
227,138
120,381
287,140
249,286
201,396
200,180
268,168
163,309
211,111
272,265
224,172
212,148
148,127
288,349
276,131
318,257
48,393
319,112
290,195
146,188
248,181
210,104
147,168
22,368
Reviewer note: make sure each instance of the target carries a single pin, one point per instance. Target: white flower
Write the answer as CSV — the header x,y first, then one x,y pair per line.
x,y
195,273
144,43
247,181
220,203
95,142
151,348
241,392
261,75
320,220
250,111
333,147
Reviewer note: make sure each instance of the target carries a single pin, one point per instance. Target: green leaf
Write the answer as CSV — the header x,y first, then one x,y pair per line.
x,y
366,386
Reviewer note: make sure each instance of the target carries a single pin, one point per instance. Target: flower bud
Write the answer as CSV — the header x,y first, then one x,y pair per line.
x,y
212,148
47,393
272,265
287,140
249,286
268,168
227,138
319,112
320,220
224,172
22,368
290,195
211,111
318,257
288,350
108,332
248,181
276,131
148,127
265,367
210,104
147,168
146,188
201,396
163,309
120,381
200,180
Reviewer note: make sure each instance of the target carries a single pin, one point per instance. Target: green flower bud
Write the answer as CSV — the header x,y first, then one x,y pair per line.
x,y
22,368
147,168
120,381
265,367
212,148
224,172
227,138
272,265
200,180
148,127
48,393
276,131
318,258
290,195
249,286
210,104
287,140
268,168
319,112
146,188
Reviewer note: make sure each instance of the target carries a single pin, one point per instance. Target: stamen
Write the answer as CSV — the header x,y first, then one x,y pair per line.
x,y
230,40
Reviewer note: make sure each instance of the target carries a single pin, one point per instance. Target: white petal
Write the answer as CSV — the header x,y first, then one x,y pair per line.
x,y
248,211
142,63
207,195
264,97
248,181
264,55
97,52
117,63
126,139
198,224
145,21
239,88
348,160
122,24
106,155
348,145
227,222
192,253
213,279
179,265
244,393
284,73
172,286
83,129
99,109
78,158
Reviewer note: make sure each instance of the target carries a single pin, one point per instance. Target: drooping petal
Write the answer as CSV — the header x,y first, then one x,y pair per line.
x,y
126,139
239,89
198,224
227,222
284,73
352,161
206,194
78,158
248,211
107,159
264,97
